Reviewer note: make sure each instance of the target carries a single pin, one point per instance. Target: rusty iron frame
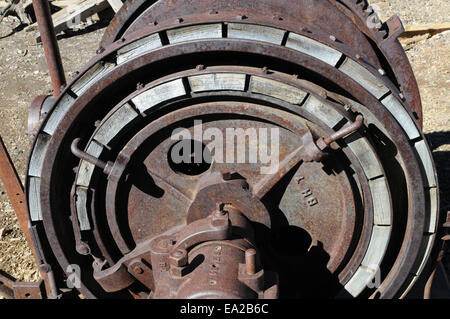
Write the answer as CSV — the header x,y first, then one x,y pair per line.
x,y
207,45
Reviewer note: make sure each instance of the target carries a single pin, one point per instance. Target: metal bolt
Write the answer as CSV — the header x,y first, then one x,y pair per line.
x,y
138,270
323,94
163,243
250,261
381,71
178,258
220,209
83,249
178,254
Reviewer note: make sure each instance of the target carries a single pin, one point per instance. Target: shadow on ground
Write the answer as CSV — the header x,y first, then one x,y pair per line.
x,y
442,161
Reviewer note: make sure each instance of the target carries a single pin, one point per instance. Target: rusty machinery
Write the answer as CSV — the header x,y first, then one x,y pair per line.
x,y
351,211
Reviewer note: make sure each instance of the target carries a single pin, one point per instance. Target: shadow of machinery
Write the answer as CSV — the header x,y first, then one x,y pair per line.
x,y
105,16
442,161
440,288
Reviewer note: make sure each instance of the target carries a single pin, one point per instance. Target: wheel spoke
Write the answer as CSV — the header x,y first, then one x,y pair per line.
x,y
267,182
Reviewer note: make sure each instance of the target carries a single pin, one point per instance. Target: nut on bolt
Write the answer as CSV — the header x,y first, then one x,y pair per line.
x,y
137,269
178,258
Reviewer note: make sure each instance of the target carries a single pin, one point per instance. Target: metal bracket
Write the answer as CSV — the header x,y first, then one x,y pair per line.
x,y
12,289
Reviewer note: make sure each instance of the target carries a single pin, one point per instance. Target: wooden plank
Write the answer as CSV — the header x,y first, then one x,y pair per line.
x,y
70,16
17,8
313,48
138,48
64,3
82,210
217,82
87,169
277,90
411,30
34,199
114,124
365,154
401,115
255,32
159,94
381,199
115,4
427,162
322,111
38,155
377,247
196,32
362,277
365,78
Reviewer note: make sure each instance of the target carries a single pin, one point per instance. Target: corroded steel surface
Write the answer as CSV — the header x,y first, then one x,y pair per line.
x,y
350,209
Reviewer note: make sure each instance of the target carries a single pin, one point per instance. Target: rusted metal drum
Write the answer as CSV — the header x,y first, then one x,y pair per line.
x,y
348,210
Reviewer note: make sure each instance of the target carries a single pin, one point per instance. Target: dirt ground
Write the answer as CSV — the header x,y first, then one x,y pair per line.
x,y
24,75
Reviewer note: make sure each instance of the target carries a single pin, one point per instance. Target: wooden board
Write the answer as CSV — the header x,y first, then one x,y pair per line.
x,y
64,3
415,29
115,4
70,16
